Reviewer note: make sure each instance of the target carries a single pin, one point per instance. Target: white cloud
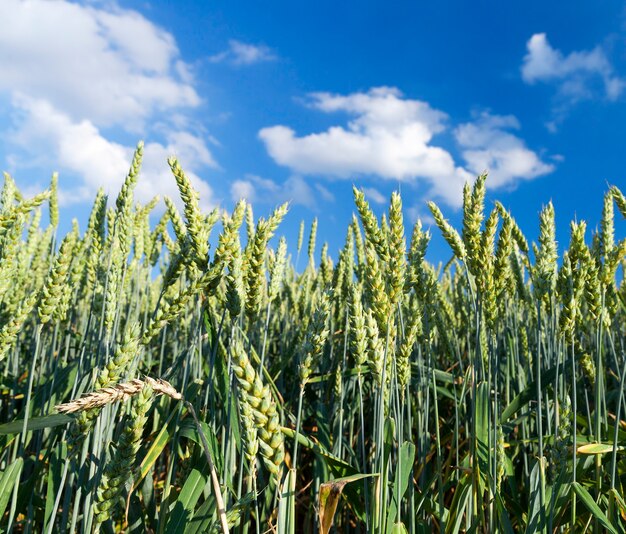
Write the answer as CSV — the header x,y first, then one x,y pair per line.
x,y
324,192
488,144
374,195
391,137
252,188
574,74
295,189
239,53
81,77
111,65
243,189
81,149
416,213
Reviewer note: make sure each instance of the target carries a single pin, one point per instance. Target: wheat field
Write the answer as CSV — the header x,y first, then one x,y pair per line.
x,y
200,374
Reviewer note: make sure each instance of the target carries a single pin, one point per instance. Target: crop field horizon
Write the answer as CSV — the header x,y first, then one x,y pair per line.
x,y
187,376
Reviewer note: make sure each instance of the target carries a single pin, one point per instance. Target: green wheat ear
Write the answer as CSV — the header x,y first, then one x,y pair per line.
x,y
54,287
263,409
544,272
195,222
54,200
449,233
118,470
397,250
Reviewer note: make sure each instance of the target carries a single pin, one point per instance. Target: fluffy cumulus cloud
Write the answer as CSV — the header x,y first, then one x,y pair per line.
x,y
488,144
576,74
391,137
77,76
239,53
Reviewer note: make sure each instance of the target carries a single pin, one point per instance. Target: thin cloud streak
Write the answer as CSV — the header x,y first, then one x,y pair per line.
x,y
240,53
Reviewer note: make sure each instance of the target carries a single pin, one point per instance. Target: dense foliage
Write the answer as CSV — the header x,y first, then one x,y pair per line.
x,y
377,393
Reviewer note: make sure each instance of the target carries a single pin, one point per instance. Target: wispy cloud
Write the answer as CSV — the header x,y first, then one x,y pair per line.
x,y
392,137
239,53
324,192
578,75
295,189
77,78
374,195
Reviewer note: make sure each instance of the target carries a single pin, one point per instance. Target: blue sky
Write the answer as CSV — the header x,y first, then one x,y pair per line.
x,y
291,101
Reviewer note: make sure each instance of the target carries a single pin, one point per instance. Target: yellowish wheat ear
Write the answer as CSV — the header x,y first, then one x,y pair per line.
x,y
118,393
